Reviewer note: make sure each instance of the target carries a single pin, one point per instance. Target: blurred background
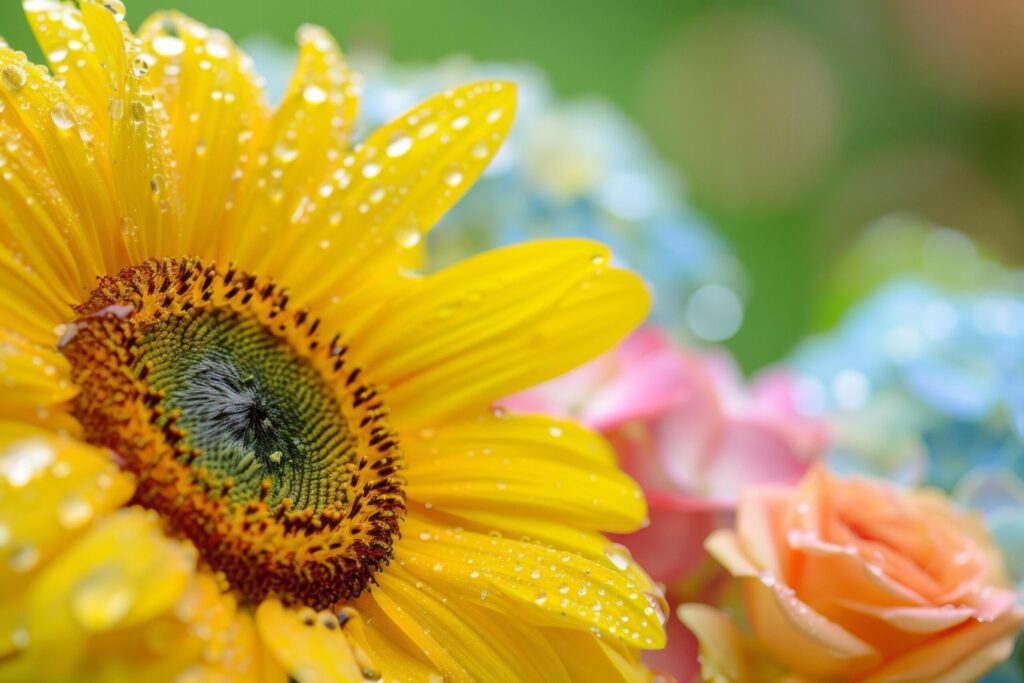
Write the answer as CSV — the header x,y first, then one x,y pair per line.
x,y
793,125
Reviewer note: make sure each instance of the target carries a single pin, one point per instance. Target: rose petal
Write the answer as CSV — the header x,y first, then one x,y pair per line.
x,y
800,637
969,647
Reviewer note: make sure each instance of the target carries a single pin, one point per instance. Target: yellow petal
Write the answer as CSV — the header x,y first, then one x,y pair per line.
x,y
147,186
542,585
216,112
36,384
51,489
588,544
592,659
397,657
498,323
520,473
458,650
61,34
29,307
397,184
310,646
95,587
724,651
307,135
57,196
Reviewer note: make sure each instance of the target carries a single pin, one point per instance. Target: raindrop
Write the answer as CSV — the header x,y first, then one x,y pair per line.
x,y
407,234
619,556
494,115
23,558
101,600
57,55
399,145
74,511
541,598
314,94
555,431
480,150
23,460
20,638
14,77
452,176
371,170
168,46
138,111
115,108
116,8
460,122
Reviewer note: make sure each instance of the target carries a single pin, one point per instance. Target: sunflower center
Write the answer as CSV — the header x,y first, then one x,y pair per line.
x,y
247,430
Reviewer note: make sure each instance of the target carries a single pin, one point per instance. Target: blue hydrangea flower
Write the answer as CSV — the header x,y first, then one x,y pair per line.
x,y
925,386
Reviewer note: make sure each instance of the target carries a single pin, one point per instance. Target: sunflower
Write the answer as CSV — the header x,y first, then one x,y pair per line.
x,y
238,439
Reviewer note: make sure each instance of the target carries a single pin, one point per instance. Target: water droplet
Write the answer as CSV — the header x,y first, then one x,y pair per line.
x,y
555,431
407,234
480,150
139,111
452,176
156,184
377,194
285,152
541,598
14,78
20,638
658,605
619,556
23,558
168,46
57,55
74,511
102,599
116,8
371,169
460,122
494,115
314,94
115,108
399,145
23,460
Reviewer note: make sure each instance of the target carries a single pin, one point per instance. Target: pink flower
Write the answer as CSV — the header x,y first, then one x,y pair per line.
x,y
686,427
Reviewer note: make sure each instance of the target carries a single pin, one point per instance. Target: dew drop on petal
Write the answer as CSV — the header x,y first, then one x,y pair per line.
x,y
619,556
116,8
101,600
479,150
168,46
541,598
407,234
452,176
21,461
399,145
14,77
314,94
74,511
23,558
115,108
460,122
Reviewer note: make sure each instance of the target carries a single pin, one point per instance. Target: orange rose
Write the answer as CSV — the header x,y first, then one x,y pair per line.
x,y
855,580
